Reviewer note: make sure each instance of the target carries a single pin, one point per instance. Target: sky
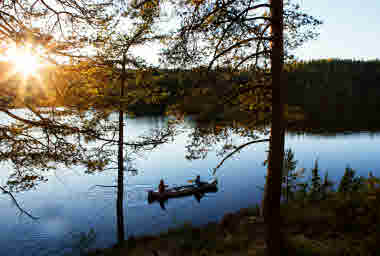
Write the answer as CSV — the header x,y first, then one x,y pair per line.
x,y
351,29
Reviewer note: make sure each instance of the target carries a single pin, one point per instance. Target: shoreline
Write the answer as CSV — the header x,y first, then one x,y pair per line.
x,y
238,231
342,224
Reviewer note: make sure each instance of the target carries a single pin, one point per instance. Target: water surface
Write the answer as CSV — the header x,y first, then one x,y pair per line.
x,y
70,203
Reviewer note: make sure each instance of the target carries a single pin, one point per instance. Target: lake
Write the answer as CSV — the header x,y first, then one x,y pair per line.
x,y
70,203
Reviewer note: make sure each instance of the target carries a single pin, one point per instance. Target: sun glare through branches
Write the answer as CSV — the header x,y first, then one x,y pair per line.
x,y
24,60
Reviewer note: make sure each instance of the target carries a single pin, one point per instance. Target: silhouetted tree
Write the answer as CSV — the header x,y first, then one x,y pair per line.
x,y
315,189
289,174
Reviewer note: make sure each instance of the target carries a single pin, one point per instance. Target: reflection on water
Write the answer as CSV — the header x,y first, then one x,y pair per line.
x,y
71,202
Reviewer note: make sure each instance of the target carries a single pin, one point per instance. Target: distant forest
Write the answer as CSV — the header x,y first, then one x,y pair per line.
x,y
329,91
336,90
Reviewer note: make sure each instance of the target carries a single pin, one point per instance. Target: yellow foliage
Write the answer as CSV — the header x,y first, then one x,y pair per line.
x,y
197,2
210,19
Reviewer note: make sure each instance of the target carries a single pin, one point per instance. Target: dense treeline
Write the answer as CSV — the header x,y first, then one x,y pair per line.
x,y
326,90
336,90
332,92
335,65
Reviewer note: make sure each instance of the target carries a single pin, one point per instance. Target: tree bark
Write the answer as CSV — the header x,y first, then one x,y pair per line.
x,y
120,173
274,237
287,188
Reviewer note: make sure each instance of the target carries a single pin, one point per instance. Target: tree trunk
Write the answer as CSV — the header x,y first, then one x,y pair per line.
x,y
274,237
287,188
120,173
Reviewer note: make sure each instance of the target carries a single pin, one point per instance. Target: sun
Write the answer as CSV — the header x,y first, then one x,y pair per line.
x,y
24,60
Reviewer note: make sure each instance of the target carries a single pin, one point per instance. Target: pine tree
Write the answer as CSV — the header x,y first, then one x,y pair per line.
x,y
346,182
326,186
349,183
289,175
315,190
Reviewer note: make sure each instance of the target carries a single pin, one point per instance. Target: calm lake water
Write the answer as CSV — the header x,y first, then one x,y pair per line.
x,y
70,203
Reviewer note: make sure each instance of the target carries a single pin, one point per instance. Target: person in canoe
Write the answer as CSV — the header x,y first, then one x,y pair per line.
x,y
161,186
198,181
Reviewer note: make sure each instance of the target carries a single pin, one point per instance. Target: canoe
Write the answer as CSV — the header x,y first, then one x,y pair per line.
x,y
182,191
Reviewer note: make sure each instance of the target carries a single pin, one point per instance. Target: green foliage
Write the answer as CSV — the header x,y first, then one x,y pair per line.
x,y
289,175
316,184
327,186
349,183
302,190
334,65
347,180
342,90
229,38
317,188
344,223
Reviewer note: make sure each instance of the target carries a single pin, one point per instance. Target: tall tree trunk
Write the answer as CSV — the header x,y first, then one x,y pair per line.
x,y
287,188
120,165
274,237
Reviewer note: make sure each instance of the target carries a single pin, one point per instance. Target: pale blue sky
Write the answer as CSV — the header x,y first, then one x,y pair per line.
x,y
351,29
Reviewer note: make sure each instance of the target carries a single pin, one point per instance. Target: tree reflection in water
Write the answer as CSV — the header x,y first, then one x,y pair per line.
x,y
34,145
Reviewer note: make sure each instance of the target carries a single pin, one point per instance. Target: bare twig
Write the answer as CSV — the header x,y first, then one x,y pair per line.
x,y
17,204
236,150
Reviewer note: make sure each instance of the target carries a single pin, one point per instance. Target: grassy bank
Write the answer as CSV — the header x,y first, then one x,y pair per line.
x,y
236,234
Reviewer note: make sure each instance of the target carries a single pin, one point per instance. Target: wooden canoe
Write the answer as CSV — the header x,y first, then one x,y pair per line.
x,y
182,191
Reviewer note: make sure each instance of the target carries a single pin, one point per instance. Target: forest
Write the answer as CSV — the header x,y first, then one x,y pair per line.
x,y
320,90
